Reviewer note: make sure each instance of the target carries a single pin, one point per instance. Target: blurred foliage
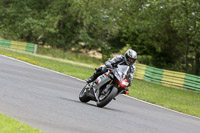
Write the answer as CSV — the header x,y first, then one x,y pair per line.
x,y
164,33
124,49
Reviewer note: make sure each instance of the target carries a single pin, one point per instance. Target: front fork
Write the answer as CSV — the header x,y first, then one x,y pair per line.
x,y
97,91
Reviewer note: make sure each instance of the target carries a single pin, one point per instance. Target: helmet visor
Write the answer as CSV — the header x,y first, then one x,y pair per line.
x,y
131,60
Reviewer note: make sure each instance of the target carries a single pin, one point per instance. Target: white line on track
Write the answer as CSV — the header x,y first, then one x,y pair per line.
x,y
84,81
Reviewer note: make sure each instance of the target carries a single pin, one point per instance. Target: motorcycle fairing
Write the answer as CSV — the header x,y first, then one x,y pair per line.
x,y
99,82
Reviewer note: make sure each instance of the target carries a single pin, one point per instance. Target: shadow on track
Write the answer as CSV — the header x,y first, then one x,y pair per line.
x,y
93,105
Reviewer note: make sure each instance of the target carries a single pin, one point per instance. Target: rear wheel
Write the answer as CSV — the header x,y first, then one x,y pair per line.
x,y
83,95
105,99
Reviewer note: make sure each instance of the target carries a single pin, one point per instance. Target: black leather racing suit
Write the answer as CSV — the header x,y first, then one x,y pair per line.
x,y
113,63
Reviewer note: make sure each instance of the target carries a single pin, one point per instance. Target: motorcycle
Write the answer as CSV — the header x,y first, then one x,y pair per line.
x,y
107,86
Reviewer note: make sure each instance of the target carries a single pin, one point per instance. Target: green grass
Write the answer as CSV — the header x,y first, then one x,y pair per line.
x,y
77,57
9,125
66,67
180,100
184,101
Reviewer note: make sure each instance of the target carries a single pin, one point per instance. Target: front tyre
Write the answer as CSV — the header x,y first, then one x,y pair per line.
x,y
104,101
83,95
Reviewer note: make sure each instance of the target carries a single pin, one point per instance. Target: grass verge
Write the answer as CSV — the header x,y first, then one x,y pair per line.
x,y
180,100
77,57
9,125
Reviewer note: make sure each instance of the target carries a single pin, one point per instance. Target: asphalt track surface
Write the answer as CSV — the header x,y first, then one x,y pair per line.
x,y
49,101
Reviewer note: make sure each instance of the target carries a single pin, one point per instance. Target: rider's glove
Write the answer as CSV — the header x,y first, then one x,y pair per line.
x,y
108,65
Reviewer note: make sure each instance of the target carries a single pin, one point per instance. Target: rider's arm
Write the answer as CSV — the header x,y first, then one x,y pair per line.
x,y
133,68
114,61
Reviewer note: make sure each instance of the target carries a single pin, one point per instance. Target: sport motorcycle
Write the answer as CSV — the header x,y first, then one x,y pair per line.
x,y
107,86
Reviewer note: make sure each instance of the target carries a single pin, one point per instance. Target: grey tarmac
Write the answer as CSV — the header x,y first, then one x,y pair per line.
x,y
49,101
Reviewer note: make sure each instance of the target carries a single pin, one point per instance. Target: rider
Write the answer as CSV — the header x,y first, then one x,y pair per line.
x,y
128,58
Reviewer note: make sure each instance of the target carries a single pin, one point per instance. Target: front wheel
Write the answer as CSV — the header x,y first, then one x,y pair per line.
x,y
105,99
83,95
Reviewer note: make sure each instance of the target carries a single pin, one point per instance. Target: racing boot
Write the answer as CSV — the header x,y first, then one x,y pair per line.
x,y
90,79
95,75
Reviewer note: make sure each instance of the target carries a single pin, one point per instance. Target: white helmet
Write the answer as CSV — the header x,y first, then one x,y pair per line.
x,y
130,57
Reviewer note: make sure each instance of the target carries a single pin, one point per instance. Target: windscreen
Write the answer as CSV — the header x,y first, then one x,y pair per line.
x,y
121,71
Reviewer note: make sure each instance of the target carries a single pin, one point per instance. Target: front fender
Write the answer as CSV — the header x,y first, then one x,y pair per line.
x,y
106,100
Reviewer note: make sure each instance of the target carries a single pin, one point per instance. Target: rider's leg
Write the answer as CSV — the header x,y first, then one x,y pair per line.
x,y
93,77
98,72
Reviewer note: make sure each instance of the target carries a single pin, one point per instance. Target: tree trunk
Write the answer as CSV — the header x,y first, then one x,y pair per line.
x,y
197,63
186,53
186,37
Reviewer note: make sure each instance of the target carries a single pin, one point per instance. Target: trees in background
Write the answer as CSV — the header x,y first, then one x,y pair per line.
x,y
165,33
167,30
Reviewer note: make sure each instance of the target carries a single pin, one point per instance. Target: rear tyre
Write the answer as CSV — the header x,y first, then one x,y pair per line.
x,y
83,95
107,98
